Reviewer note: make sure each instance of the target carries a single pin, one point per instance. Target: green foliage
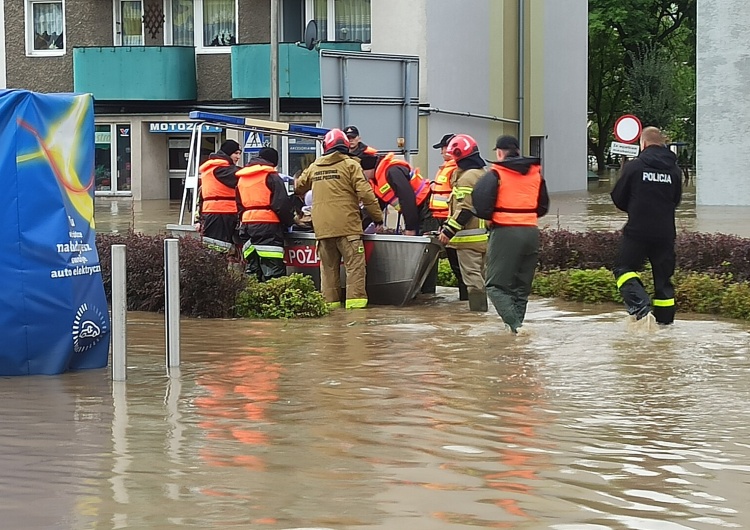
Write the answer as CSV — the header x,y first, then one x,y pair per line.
x,y
445,276
650,83
702,293
590,286
736,301
288,297
550,284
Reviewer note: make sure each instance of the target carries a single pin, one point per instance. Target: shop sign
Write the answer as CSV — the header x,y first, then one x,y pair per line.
x,y
301,145
103,137
179,127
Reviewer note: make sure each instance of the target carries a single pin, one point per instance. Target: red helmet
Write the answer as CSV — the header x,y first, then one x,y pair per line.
x,y
333,138
461,146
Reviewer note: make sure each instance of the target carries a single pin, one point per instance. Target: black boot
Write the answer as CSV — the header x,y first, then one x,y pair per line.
x,y
478,301
463,292
637,301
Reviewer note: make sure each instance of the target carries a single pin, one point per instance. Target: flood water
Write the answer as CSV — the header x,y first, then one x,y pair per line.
x,y
423,417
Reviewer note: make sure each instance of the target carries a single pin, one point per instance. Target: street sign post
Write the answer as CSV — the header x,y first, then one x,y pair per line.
x,y
628,129
629,150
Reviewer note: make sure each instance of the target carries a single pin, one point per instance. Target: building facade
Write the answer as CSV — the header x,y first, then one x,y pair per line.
x,y
150,62
722,116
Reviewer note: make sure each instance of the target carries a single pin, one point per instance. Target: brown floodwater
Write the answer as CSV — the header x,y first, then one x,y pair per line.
x,y
426,417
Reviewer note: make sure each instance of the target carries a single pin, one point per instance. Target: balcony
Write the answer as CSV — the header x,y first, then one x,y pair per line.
x,y
139,73
299,70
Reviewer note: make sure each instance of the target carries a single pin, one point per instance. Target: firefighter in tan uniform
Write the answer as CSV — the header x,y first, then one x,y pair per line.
x,y
463,230
339,186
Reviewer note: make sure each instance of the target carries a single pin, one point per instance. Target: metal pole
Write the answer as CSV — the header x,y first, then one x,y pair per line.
x,y
275,67
521,71
172,300
119,313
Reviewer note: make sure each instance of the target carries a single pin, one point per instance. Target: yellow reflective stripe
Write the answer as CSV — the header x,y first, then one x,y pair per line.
x,y
334,305
356,303
463,189
385,187
663,303
470,239
247,249
440,200
483,224
625,277
454,224
270,251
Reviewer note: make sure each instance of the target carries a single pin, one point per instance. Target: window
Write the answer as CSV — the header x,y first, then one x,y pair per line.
x,y
129,23
112,164
45,27
341,20
209,25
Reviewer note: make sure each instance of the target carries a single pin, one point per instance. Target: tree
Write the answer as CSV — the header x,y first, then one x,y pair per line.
x,y
619,31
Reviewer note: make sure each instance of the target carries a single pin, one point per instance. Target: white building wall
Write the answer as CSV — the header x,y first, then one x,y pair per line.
x,y
723,103
565,94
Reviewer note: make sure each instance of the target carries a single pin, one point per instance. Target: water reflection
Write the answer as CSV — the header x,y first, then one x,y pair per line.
x,y
392,418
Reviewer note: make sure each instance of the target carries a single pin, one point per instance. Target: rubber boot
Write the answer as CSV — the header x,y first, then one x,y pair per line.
x,y
478,301
637,301
664,315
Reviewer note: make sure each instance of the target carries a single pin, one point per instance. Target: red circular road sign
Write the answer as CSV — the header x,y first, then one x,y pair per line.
x,y
627,129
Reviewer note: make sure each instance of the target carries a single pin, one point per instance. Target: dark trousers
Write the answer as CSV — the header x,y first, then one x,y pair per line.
x,y
263,250
631,259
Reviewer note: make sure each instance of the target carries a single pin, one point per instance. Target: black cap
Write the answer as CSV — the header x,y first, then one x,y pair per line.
x,y
229,147
351,131
507,142
368,161
444,141
269,154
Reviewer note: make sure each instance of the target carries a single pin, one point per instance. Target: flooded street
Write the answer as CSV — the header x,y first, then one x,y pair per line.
x,y
392,418
426,417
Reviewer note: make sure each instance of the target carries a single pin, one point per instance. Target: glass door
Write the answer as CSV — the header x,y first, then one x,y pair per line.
x,y
112,159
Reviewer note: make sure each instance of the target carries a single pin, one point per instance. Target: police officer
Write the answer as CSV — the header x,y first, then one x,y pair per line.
x,y
649,190
265,210
338,187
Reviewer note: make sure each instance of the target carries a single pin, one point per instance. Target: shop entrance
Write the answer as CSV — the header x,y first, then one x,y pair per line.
x,y
179,151
112,162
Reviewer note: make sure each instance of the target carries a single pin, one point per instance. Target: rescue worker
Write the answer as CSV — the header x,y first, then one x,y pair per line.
x,y
649,190
395,183
265,211
513,248
218,209
338,187
439,206
356,146
463,231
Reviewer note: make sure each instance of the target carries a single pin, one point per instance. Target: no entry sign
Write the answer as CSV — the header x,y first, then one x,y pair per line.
x,y
627,129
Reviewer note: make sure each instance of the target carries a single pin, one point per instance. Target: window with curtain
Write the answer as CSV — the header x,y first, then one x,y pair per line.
x,y
47,25
131,23
219,23
183,30
352,20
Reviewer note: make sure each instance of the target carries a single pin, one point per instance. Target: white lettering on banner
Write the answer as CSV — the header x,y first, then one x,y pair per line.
x,y
657,177
77,259
302,256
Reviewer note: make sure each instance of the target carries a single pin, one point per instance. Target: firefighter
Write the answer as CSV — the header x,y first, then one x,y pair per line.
x,y
218,209
439,205
338,187
649,190
463,231
265,210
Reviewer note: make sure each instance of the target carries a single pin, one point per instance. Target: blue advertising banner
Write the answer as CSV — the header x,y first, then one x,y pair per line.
x,y
53,313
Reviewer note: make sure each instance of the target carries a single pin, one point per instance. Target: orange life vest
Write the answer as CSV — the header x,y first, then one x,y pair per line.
x,y
441,190
255,195
383,190
517,197
217,196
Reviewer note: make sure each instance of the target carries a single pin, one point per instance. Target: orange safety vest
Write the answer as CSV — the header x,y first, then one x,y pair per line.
x,y
255,195
383,190
517,197
217,196
441,190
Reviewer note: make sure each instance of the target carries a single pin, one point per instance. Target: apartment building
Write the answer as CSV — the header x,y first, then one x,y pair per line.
x,y
487,67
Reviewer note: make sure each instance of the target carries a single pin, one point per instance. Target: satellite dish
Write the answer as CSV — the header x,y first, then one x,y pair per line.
x,y
311,35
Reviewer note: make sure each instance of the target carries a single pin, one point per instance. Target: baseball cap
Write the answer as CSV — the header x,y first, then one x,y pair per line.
x,y
507,142
444,141
351,131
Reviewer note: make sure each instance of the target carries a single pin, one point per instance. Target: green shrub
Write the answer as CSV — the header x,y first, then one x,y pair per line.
x,y
549,284
736,301
700,292
590,286
288,297
445,277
